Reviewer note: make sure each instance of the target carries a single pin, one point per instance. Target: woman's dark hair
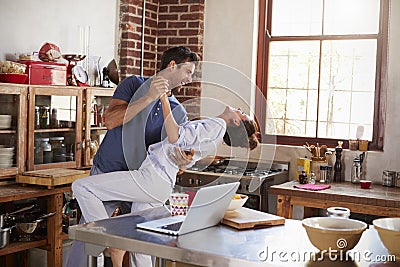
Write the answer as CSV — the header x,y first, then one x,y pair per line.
x,y
179,54
244,135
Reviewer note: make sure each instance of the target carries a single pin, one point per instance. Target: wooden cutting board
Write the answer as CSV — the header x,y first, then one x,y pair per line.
x,y
245,218
51,177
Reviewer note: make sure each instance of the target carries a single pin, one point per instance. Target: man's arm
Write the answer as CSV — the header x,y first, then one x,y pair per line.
x,y
120,112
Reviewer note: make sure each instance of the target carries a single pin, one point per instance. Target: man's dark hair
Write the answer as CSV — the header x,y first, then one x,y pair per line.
x,y
179,54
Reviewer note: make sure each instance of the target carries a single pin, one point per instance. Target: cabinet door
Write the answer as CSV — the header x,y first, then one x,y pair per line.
x,y
96,103
54,127
13,125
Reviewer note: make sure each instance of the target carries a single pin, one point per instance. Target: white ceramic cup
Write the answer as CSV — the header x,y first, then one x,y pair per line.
x,y
178,203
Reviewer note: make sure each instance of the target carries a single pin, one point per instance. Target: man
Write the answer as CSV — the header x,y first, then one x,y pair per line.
x,y
134,121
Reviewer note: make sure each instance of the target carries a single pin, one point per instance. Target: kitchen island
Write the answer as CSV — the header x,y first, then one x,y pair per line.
x,y
285,245
377,200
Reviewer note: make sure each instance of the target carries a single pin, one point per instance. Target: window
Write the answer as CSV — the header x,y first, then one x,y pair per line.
x,y
320,70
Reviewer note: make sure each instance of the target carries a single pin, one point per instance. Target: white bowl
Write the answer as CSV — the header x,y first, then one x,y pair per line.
x,y
389,233
237,202
329,233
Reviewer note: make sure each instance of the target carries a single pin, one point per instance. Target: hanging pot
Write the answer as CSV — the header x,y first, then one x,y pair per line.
x,y
5,236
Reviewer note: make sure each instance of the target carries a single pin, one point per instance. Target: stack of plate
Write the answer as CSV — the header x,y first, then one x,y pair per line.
x,y
5,121
6,156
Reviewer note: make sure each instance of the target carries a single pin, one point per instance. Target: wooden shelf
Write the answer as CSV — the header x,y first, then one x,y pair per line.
x,y
8,131
6,173
14,247
55,130
98,128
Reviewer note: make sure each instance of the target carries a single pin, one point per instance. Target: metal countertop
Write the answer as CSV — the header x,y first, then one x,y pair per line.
x,y
285,245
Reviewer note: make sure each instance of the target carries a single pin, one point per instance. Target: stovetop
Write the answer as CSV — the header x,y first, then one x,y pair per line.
x,y
244,169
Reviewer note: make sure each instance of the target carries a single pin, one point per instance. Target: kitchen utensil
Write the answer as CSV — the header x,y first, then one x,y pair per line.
x,y
356,171
5,236
178,203
388,178
211,161
3,217
245,218
30,227
363,145
237,202
340,212
13,78
72,61
328,233
5,120
93,71
389,232
113,72
365,184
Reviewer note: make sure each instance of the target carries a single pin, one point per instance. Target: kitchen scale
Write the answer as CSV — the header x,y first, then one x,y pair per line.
x,y
76,75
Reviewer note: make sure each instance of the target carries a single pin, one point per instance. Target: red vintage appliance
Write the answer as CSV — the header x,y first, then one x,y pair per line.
x,y
45,73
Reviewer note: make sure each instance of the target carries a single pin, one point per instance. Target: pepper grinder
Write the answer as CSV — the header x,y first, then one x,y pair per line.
x,y
337,176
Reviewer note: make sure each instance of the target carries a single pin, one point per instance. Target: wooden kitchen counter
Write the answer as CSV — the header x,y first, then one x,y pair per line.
x,y
54,198
378,200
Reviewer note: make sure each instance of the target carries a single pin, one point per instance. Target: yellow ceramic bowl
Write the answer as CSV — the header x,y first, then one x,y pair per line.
x,y
329,233
389,233
237,202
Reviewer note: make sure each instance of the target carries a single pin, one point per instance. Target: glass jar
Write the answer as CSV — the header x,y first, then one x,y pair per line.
x,y
58,148
303,177
38,152
54,121
316,168
388,178
356,171
44,117
47,152
340,212
37,119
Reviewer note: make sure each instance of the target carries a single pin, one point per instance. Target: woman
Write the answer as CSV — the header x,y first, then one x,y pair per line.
x,y
155,179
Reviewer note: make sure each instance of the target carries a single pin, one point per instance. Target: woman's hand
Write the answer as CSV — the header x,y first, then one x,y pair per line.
x,y
182,158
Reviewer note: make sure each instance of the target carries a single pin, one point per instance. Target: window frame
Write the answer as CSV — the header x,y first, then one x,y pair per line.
x,y
264,27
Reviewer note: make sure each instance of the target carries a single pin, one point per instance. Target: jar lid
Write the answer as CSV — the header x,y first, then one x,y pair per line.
x,y
57,138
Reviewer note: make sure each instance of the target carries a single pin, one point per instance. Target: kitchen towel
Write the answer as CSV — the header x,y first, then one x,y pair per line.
x,y
313,187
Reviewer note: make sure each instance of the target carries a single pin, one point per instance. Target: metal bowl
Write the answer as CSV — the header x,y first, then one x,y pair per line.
x,y
30,227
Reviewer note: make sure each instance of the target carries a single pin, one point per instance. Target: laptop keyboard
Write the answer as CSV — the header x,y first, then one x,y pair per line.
x,y
172,226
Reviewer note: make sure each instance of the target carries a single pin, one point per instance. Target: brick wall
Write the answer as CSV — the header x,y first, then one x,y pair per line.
x,y
168,23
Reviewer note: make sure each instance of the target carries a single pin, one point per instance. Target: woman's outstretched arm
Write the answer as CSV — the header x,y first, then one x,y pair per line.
x,y
171,127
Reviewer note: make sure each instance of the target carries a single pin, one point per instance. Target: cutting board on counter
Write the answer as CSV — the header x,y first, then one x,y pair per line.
x,y
51,177
245,218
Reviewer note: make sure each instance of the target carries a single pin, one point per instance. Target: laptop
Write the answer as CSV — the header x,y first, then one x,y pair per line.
x,y
207,209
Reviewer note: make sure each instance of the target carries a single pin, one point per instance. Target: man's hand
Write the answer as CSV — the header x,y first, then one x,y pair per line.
x,y
158,87
181,157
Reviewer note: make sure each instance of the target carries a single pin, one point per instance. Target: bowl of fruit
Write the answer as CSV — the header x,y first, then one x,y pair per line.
x,y
237,202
